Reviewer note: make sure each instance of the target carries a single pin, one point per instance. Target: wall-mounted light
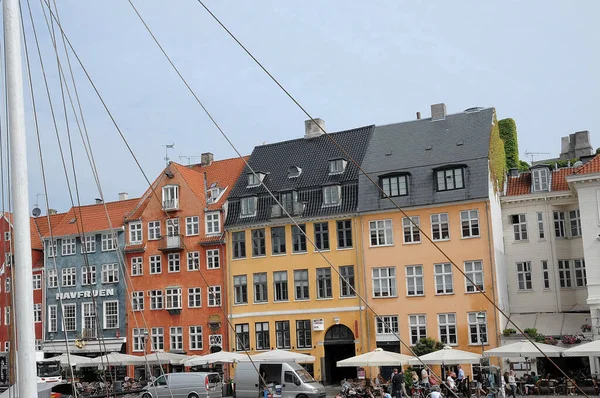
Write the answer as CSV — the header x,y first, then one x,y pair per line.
x,y
336,320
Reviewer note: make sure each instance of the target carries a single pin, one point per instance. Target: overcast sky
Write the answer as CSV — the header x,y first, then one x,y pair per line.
x,y
351,63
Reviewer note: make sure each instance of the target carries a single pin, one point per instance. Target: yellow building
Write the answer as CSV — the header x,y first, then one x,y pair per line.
x,y
283,292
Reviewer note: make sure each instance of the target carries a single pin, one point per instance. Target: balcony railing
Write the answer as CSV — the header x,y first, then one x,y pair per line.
x,y
171,243
171,204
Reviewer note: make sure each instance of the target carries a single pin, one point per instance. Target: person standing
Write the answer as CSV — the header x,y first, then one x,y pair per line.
x,y
512,383
425,378
397,383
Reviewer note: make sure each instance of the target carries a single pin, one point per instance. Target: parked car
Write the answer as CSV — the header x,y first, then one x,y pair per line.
x,y
185,385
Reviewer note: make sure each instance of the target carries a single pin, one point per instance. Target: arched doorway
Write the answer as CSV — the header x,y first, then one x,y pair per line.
x,y
339,344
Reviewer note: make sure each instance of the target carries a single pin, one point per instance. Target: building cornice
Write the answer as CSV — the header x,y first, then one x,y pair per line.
x,y
537,197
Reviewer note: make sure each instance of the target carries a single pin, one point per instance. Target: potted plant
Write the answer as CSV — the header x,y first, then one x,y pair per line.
x,y
570,339
509,331
550,340
586,327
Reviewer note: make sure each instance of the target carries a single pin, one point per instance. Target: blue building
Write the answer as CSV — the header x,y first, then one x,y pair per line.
x,y
86,277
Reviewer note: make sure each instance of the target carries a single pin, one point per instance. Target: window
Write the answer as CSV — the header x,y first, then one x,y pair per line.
x,y
137,301
38,344
135,232
170,197
139,339
137,266
524,275
111,314
540,220
564,273
173,260
7,315
37,281
450,179
214,194
110,273
540,179
69,276
519,224
447,327
176,334
52,278
278,240
337,166
212,259
384,282
301,284
258,242
347,282
193,261
394,186
214,296
387,324
344,234
52,318
287,200
322,235
154,230
418,328
580,274
89,245
69,316
156,299
254,179
240,288
282,334
192,225
158,339
8,285
443,278
68,246
575,220
440,229
559,224
469,221
8,257
239,244
52,249
172,227
332,195
545,274
299,238
173,298
262,335
242,337
410,226
248,206
260,287
477,328
196,338
155,264
474,271
324,283
213,223
7,236
194,297
89,319
280,285
414,280
108,243
381,233
303,334
6,346
37,313
88,275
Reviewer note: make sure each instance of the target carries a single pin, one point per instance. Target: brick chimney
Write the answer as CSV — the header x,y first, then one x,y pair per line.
x,y
98,201
123,196
438,112
311,129
206,159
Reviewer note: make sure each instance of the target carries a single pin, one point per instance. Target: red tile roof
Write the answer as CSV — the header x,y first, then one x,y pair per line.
x,y
521,185
223,172
40,227
92,218
593,166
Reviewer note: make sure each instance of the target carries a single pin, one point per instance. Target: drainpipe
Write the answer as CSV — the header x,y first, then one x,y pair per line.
x,y
229,251
361,292
359,236
493,266
553,262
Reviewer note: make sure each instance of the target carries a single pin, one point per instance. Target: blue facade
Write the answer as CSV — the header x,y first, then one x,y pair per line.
x,y
107,295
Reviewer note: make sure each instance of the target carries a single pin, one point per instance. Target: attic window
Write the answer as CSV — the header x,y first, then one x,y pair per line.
x,y
540,180
332,195
294,171
449,179
254,179
337,166
213,194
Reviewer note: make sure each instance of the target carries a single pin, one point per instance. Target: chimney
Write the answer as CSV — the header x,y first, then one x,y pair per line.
x,y
98,201
418,115
311,129
513,172
206,159
123,196
52,211
438,112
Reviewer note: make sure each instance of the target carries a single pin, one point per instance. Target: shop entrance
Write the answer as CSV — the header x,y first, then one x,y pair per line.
x,y
339,344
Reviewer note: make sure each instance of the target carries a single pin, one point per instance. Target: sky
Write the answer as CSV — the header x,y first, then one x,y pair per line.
x,y
351,63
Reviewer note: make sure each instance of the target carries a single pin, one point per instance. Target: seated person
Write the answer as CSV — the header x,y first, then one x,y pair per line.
x,y
385,393
435,392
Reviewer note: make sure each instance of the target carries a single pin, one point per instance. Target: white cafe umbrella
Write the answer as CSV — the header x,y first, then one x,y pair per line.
x,y
76,360
524,349
447,356
583,350
377,357
118,359
215,357
283,356
164,358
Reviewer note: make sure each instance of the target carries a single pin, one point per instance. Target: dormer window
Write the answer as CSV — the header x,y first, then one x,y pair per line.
x,y
394,185
337,166
287,200
332,195
214,192
540,179
294,172
450,178
248,206
254,179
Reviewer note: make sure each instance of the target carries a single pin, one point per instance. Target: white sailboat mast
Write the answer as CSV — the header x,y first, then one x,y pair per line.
x,y
23,281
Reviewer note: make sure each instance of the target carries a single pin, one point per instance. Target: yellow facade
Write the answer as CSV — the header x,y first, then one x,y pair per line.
x,y
342,309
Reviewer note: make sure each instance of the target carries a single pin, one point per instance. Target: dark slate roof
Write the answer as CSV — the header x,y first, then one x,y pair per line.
x,y
312,156
418,147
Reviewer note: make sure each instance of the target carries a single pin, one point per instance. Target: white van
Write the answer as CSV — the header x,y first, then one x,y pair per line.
x,y
284,380
185,385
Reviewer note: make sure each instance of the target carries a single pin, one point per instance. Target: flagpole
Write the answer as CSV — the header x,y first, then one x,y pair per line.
x,y
23,280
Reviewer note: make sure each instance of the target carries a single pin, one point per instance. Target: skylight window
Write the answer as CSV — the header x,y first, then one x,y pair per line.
x,y
337,166
294,172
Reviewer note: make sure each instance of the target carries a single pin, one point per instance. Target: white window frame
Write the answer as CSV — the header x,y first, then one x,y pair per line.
x,y
546,275
387,325
248,206
575,223
559,218
52,318
193,261
52,278
196,338
7,236
440,227
88,275
108,243
89,244
192,226
68,277
69,313
524,279
410,231
474,323
444,279
240,288
393,186
37,312
213,259
447,323
450,179
157,337
474,270
173,262
414,279
540,222
137,266
469,221
382,232
110,273
194,297
68,247
418,324
88,318
564,274
212,222
214,296
332,195
52,248
157,299
384,282
170,197
138,338
580,274
539,177
37,281
154,230
112,316
337,166
519,223
173,298
176,338
137,300
136,234
155,264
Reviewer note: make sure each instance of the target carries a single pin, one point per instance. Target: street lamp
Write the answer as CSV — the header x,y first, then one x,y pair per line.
x,y
481,322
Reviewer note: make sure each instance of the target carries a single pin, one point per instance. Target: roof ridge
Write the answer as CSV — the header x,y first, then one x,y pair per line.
x,y
313,138
429,118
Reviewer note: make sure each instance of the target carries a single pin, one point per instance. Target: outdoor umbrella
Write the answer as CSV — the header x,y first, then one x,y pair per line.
x,y
166,358
283,356
76,360
583,350
524,349
377,357
447,356
215,357
118,359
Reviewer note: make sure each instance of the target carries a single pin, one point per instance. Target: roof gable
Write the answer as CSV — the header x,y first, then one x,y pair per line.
x,y
521,184
40,227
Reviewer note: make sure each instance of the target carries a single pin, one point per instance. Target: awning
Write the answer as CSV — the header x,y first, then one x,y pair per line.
x,y
552,324
90,346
